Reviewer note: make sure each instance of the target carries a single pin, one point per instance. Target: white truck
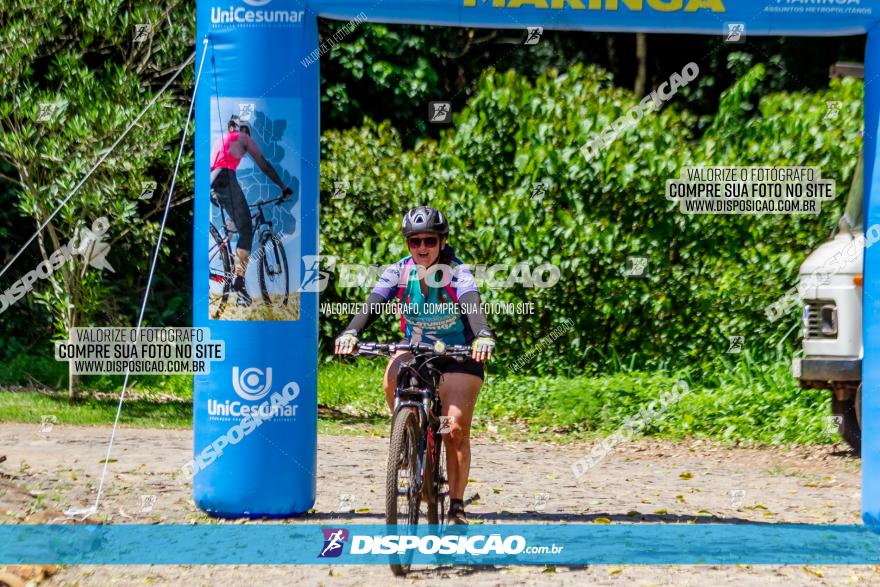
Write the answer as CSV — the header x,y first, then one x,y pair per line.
x,y
832,317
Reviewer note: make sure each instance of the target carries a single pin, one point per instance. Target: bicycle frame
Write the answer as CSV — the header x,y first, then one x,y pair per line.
x,y
258,220
418,386
425,398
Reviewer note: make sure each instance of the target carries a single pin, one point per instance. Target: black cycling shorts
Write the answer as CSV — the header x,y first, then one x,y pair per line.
x,y
228,193
468,366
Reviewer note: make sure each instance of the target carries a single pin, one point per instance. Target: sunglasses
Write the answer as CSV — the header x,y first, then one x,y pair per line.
x,y
415,242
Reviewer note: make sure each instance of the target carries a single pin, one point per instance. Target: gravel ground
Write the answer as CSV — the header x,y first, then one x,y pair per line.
x,y
518,482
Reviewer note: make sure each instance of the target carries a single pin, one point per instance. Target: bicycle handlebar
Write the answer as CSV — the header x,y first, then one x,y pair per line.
x,y
277,200
438,349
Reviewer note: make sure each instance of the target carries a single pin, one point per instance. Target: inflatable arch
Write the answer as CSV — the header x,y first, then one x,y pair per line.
x,y
261,73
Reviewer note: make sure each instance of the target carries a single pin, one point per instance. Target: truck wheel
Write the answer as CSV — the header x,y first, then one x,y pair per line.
x,y
848,424
858,405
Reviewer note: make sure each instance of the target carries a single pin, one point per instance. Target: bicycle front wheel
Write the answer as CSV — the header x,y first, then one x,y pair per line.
x,y
402,484
436,481
274,274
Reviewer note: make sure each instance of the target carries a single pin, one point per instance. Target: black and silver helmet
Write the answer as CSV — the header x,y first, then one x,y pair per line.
x,y
425,219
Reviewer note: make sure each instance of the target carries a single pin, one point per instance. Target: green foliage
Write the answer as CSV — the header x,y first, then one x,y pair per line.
x,y
742,401
709,277
355,228
379,69
33,370
42,370
74,79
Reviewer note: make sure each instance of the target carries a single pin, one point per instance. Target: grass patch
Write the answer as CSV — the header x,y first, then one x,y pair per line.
x,y
741,401
767,409
353,387
31,406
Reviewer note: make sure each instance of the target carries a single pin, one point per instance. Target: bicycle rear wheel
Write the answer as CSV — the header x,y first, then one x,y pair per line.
x,y
402,487
220,272
274,274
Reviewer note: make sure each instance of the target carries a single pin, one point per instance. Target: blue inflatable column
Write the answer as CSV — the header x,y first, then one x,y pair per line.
x,y
871,296
255,414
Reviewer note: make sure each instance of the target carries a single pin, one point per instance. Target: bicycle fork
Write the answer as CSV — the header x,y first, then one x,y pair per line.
x,y
424,431
273,265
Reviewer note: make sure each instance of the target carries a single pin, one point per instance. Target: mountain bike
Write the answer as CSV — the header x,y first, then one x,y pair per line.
x,y
416,459
273,272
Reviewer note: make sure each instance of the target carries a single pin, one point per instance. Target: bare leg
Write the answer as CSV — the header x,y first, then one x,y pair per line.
x,y
458,394
390,380
241,261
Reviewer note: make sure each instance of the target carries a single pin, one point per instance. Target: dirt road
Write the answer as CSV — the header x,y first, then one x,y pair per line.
x,y
518,483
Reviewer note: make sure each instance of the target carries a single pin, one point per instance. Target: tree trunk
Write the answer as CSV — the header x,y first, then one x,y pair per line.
x,y
641,64
611,48
70,285
72,378
72,383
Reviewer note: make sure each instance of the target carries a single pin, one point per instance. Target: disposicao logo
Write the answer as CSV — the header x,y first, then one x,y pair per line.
x,y
492,544
449,544
334,539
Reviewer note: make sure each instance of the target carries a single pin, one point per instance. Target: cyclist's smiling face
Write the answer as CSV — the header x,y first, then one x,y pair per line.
x,y
423,254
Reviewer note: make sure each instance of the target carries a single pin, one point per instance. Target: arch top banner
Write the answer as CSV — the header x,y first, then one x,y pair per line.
x,y
760,17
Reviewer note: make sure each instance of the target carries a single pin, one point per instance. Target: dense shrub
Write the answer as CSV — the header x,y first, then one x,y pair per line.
x,y
709,277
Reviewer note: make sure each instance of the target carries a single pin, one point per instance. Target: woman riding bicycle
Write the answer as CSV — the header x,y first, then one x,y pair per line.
x,y
227,192
442,292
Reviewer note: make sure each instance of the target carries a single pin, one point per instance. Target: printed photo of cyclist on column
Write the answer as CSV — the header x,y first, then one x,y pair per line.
x,y
254,201
446,344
